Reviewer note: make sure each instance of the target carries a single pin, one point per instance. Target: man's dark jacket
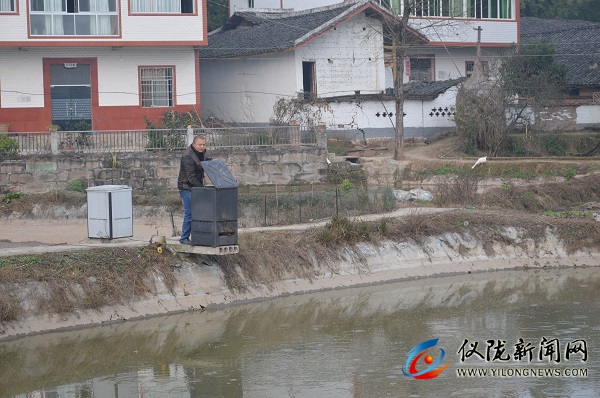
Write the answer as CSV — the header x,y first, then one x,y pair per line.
x,y
191,173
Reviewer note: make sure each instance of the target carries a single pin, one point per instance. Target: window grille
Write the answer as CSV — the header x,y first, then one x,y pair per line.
x,y
156,87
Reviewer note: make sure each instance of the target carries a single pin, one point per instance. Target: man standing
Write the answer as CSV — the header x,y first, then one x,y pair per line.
x,y
191,174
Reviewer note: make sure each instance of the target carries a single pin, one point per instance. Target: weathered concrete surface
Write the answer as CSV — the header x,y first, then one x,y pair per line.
x,y
201,286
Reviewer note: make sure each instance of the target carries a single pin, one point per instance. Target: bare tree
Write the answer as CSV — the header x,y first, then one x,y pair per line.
x,y
488,108
297,110
400,46
480,109
403,37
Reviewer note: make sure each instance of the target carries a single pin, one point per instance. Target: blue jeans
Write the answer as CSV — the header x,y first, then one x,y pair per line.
x,y
186,227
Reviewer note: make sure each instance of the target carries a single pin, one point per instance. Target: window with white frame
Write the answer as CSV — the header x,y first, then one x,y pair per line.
x,y
74,18
156,87
250,3
162,6
7,5
499,9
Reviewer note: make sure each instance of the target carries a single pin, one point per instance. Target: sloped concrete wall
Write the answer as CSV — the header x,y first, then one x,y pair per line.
x,y
148,169
199,286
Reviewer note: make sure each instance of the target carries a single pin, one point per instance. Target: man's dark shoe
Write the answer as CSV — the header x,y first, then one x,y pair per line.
x,y
185,242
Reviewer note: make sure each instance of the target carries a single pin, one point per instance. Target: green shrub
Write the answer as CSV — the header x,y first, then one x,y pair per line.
x,y
167,139
346,185
342,230
569,173
554,145
75,186
167,131
513,146
10,196
8,145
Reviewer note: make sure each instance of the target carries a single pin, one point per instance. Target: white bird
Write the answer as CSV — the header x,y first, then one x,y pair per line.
x,y
328,161
479,161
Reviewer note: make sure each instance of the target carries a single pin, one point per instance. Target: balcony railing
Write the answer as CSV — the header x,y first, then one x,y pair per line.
x,y
163,139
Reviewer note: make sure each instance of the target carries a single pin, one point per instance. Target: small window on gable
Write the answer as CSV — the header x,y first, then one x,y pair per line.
x,y
7,6
574,91
162,6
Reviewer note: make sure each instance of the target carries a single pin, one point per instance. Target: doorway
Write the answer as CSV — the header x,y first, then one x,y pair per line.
x,y
309,81
71,96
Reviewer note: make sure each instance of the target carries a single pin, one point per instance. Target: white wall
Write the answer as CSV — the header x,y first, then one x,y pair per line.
x,y
21,79
22,85
118,74
159,28
347,59
460,30
362,114
450,63
245,90
297,5
13,27
162,27
588,115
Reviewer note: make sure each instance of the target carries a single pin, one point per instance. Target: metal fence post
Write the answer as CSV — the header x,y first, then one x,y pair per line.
x,y
54,141
265,224
294,133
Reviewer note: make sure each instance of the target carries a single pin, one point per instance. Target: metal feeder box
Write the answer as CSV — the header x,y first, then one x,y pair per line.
x,y
215,207
110,211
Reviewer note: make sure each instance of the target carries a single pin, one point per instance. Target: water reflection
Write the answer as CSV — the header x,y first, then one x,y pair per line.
x,y
344,343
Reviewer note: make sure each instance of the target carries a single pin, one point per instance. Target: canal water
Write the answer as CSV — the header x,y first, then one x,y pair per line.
x,y
522,333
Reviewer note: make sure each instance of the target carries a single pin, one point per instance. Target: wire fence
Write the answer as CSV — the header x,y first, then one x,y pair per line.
x,y
259,209
157,139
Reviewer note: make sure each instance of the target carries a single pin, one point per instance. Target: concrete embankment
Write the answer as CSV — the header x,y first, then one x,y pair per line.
x,y
201,286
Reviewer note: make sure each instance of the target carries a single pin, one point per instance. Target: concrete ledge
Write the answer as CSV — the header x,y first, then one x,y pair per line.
x,y
190,249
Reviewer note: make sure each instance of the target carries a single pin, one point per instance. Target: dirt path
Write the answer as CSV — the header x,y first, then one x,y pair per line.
x,y
447,149
383,170
22,235
43,236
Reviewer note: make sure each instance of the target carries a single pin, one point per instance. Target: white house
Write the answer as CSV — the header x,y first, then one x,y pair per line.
x,y
258,57
450,26
109,63
333,53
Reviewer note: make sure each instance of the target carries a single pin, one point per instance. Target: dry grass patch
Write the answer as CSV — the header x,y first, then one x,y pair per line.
x,y
462,191
87,279
563,195
268,257
26,203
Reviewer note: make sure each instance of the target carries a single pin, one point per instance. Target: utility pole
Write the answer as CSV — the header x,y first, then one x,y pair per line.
x,y
478,67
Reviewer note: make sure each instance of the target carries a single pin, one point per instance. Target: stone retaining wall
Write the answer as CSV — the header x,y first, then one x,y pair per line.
x,y
272,165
